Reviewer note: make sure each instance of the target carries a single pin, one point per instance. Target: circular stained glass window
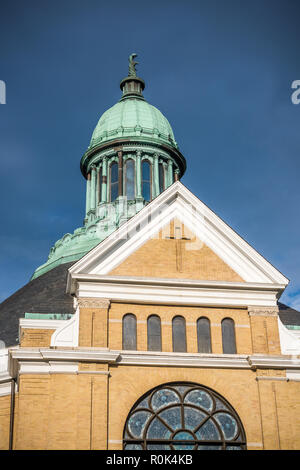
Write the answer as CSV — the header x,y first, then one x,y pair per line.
x,y
183,416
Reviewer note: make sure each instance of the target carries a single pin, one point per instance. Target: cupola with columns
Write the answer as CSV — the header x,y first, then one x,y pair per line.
x,y
131,159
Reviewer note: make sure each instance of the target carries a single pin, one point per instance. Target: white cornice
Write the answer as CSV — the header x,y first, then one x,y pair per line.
x,y
41,324
178,292
42,360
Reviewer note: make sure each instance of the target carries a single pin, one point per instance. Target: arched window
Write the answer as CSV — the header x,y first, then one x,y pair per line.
x,y
204,336
228,336
129,332
129,180
146,180
154,333
114,181
183,416
179,334
161,177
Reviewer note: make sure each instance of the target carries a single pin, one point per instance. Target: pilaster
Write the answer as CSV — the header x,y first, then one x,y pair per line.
x,y
155,175
93,188
138,174
88,192
104,180
264,330
93,323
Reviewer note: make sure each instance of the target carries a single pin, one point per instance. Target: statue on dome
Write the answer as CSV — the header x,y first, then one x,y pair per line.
x,y
132,64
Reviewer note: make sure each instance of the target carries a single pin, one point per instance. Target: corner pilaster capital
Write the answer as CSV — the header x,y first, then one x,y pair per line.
x,y
263,311
84,302
139,153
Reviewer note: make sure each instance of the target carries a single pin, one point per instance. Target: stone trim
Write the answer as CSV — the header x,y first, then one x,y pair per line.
x,y
263,311
85,302
57,359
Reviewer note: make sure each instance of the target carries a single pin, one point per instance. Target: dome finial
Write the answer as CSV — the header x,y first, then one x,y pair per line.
x,y
132,64
132,86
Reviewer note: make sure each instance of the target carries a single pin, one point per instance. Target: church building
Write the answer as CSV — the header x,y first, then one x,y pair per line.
x,y
155,325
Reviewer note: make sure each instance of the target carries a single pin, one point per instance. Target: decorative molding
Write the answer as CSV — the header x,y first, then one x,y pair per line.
x,y
52,367
73,355
261,361
41,324
289,341
93,372
267,377
174,292
224,361
47,361
87,302
67,335
5,388
293,374
263,311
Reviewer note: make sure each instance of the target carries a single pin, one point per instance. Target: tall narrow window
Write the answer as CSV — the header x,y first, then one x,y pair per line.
x,y
129,181
114,181
146,180
203,334
228,336
161,178
179,334
154,333
100,184
129,332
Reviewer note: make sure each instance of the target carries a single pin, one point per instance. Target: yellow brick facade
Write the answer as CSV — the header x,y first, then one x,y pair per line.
x,y
87,408
175,252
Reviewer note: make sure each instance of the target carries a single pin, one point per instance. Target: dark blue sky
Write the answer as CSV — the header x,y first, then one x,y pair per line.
x,y
220,70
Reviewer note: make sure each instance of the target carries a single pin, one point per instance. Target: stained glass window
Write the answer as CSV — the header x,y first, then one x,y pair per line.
x,y
228,336
129,182
129,332
114,181
146,180
183,416
179,334
203,334
154,333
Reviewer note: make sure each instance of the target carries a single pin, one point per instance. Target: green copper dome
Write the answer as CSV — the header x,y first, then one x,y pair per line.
x,y
131,159
133,117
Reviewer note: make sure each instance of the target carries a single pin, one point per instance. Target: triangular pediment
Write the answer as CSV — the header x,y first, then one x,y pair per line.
x,y
176,252
177,236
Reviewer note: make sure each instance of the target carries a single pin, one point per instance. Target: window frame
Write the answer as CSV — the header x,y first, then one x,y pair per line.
x,y
146,160
126,335
207,340
151,317
228,347
184,339
110,180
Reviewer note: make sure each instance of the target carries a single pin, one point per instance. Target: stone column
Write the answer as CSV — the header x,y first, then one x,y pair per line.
x,y
170,172
93,188
139,174
176,175
120,172
166,179
155,175
88,192
104,180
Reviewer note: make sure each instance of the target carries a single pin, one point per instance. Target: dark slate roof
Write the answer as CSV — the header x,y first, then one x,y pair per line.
x,y
45,294
288,315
